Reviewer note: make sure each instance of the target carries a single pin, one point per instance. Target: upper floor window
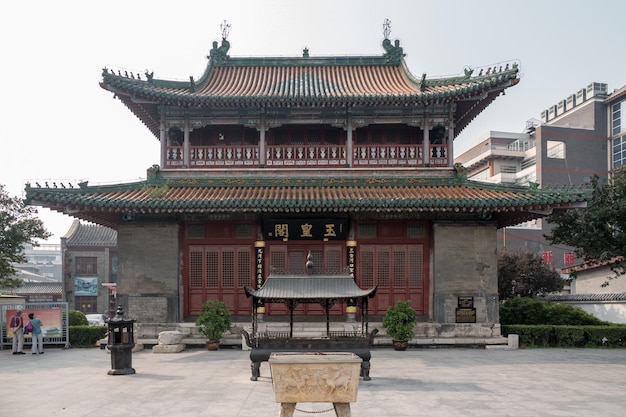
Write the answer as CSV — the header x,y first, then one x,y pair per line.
x,y
556,149
619,152
481,176
86,265
616,119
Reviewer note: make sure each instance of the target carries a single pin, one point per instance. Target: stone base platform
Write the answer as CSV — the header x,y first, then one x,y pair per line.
x,y
427,335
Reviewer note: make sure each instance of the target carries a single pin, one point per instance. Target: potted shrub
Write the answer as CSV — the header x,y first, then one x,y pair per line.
x,y
399,322
213,321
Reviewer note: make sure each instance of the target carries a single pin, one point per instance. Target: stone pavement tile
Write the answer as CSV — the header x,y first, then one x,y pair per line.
x,y
418,382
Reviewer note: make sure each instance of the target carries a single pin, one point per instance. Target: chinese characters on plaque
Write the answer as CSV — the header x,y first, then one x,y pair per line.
x,y
305,229
465,312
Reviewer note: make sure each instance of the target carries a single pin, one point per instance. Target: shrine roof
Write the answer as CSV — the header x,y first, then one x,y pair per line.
x,y
308,81
415,196
309,288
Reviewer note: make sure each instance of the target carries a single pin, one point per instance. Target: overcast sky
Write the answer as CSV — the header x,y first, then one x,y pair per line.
x,y
59,125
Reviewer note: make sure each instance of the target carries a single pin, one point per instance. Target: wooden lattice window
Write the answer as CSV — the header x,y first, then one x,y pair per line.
x,y
416,275
416,230
367,230
367,268
228,269
86,265
244,230
195,230
213,266
399,268
382,270
293,259
196,276
391,266
334,259
243,268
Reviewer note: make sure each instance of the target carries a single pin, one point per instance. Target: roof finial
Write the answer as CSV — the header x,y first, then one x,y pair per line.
x,y
387,28
225,28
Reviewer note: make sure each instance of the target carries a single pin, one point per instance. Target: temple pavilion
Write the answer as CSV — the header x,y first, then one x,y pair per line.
x,y
267,161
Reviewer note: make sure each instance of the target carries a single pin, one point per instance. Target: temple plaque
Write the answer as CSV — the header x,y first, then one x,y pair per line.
x,y
465,311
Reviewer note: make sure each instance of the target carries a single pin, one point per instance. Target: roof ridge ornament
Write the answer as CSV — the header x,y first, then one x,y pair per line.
x,y
218,55
225,28
393,52
386,28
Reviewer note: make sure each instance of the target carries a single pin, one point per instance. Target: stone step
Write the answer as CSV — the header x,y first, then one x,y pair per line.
x,y
427,334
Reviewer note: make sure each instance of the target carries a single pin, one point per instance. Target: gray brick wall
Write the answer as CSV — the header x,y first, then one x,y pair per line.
x,y
465,264
148,272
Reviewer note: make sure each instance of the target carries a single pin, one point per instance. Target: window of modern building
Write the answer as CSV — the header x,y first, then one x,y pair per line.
x,y
619,142
527,179
619,152
481,176
556,149
617,119
508,169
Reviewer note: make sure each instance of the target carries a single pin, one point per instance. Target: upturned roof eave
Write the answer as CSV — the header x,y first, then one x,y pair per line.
x,y
107,206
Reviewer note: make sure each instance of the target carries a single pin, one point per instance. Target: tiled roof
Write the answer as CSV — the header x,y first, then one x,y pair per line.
x,y
28,288
365,84
90,235
309,288
310,82
600,297
415,196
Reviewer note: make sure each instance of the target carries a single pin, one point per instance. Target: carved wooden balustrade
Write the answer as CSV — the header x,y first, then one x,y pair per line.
x,y
306,156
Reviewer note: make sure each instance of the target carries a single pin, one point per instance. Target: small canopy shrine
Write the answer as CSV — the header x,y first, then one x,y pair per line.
x,y
309,287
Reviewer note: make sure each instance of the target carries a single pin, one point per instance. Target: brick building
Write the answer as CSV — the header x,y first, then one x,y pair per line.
x,y
90,268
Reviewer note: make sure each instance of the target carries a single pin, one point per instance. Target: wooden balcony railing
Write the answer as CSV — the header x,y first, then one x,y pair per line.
x,y
307,156
388,155
214,156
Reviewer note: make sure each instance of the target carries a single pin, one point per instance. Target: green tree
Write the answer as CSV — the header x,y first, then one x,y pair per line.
x,y
524,274
18,226
597,232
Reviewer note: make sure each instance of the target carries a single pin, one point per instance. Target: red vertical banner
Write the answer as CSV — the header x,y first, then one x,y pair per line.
x,y
547,257
568,258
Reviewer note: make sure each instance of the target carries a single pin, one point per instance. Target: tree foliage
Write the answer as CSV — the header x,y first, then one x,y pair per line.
x,y
18,226
524,274
597,232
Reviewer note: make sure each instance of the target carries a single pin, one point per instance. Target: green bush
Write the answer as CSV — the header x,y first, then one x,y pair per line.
x,y
532,310
399,321
77,318
86,336
213,320
612,335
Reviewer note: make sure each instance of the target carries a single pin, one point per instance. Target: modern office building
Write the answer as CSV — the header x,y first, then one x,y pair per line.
x,y
574,139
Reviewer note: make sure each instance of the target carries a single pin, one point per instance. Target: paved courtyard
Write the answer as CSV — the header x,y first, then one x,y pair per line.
x,y
418,382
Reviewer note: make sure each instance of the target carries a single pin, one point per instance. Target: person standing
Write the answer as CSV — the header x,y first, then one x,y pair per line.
x,y
17,327
37,334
